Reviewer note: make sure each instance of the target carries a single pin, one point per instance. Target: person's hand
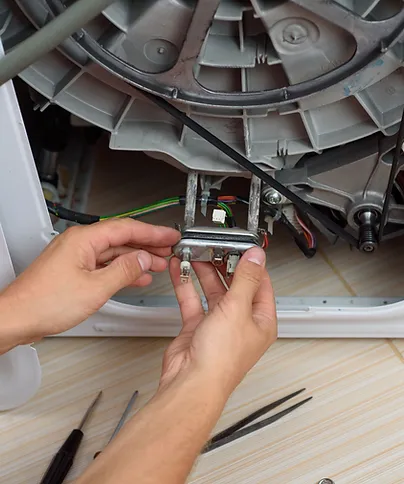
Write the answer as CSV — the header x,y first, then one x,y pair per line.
x,y
239,327
80,270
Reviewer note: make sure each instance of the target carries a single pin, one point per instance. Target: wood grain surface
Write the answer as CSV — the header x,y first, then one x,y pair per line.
x,y
353,429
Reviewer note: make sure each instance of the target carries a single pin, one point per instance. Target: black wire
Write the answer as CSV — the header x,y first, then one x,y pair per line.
x,y
251,167
392,177
64,213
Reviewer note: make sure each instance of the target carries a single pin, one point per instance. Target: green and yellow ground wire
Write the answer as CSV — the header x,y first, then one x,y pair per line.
x,y
59,211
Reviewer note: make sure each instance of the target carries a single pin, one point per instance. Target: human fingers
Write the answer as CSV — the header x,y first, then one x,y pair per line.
x,y
210,281
188,299
161,251
124,271
143,281
112,253
159,264
264,307
248,276
119,232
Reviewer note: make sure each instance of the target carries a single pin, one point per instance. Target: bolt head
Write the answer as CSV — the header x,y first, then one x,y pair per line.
x,y
274,198
368,248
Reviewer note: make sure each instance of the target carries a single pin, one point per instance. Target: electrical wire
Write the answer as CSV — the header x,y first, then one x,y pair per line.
x,y
226,208
265,243
251,167
61,212
50,36
168,202
307,245
392,177
300,239
309,235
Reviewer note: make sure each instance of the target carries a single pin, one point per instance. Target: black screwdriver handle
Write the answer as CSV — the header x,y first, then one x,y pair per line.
x,y
63,460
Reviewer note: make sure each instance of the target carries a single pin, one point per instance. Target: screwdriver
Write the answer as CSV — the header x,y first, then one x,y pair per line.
x,y
64,457
121,420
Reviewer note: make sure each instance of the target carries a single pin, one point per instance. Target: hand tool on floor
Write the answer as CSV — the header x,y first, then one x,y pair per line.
x,y
121,420
241,428
64,457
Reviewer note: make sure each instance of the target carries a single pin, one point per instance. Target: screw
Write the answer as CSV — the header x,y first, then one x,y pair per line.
x,y
295,34
326,480
273,197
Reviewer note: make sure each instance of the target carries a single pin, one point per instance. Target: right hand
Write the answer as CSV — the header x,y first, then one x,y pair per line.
x,y
239,327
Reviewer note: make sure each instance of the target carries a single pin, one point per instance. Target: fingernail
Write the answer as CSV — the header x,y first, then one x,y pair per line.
x,y
256,256
145,260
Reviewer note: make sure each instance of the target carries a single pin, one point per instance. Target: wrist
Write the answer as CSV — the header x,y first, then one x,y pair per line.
x,y
198,382
15,329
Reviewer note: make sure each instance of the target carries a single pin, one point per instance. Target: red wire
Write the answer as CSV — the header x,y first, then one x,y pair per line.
x,y
266,241
227,198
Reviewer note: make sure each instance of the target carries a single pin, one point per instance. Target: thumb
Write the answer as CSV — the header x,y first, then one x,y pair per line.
x,y
248,276
125,270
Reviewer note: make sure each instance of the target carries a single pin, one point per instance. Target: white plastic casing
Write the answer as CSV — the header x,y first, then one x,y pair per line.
x,y
20,371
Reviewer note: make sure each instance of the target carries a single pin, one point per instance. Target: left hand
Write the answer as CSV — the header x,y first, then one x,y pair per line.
x,y
79,272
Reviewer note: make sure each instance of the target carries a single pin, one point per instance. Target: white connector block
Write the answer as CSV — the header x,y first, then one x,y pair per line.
x,y
218,216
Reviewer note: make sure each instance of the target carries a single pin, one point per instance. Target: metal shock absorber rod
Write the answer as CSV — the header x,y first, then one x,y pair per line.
x,y
190,202
254,205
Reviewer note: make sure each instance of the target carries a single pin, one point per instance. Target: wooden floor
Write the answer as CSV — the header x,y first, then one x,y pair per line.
x,y
353,429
